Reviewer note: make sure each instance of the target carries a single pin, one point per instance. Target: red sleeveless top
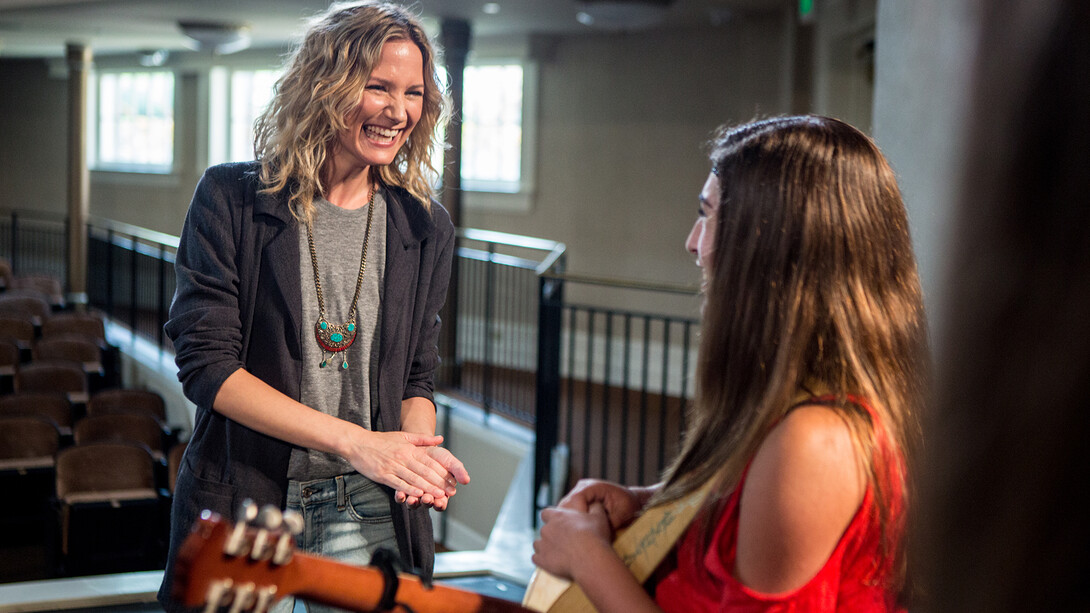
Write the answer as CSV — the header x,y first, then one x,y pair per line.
x,y
855,578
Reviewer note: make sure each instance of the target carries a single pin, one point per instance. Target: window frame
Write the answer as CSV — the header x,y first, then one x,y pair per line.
x,y
94,131
219,118
521,199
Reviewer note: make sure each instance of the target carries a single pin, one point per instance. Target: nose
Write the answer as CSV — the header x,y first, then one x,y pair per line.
x,y
692,243
396,108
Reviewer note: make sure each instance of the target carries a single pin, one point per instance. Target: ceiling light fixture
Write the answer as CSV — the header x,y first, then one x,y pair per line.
x,y
622,14
219,38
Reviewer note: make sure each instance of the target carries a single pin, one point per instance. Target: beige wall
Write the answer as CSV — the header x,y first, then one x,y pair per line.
x,y
623,119
620,132
33,133
619,161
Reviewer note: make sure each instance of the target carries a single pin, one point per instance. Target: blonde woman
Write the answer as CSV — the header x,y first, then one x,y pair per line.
x,y
810,374
305,319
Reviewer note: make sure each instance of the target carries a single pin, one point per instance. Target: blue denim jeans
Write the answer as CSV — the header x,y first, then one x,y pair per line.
x,y
346,518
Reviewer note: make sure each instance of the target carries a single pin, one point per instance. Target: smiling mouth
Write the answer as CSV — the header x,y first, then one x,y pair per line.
x,y
381,135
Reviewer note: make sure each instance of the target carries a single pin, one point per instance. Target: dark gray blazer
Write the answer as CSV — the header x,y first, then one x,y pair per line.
x,y
237,305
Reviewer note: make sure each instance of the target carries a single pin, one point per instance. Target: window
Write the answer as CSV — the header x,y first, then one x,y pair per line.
x,y
236,98
497,134
134,130
492,128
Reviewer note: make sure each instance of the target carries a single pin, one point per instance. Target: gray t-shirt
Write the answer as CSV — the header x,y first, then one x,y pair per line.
x,y
344,393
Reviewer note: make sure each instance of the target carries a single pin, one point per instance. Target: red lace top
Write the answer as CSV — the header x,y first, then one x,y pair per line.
x,y
853,579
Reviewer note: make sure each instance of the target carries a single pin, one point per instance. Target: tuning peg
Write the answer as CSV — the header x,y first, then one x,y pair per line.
x,y
244,594
270,518
235,543
247,510
285,544
293,521
219,592
263,598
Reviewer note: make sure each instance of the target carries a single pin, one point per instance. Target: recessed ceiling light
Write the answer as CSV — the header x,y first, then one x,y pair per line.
x,y
491,8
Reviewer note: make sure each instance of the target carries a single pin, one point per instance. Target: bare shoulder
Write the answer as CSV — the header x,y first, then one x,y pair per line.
x,y
803,488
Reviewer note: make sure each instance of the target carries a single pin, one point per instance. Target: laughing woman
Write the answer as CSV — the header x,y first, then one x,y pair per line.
x,y
810,375
306,314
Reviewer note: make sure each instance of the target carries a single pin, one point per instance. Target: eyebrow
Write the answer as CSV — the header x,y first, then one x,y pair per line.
x,y
388,82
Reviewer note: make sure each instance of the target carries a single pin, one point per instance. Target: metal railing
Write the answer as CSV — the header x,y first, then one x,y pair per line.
x,y
612,383
131,276
35,243
495,336
605,388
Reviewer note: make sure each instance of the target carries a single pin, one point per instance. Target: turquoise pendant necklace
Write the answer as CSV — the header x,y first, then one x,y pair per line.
x,y
333,337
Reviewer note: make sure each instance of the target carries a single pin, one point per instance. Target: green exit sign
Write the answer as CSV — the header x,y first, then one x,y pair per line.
x,y
806,8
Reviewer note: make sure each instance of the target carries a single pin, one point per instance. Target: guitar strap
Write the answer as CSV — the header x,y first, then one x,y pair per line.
x,y
642,546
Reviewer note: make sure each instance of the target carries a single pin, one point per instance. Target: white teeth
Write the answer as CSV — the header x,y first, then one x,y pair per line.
x,y
382,132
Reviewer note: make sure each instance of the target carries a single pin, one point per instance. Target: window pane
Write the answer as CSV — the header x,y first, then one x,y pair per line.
x,y
136,120
235,99
251,91
492,127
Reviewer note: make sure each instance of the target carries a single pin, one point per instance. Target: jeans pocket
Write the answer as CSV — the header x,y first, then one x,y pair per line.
x,y
369,503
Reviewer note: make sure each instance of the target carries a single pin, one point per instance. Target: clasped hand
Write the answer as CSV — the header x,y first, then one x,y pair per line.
x,y
589,515
419,471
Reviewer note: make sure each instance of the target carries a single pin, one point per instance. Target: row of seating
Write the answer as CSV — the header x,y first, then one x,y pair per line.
x,y
96,492
93,463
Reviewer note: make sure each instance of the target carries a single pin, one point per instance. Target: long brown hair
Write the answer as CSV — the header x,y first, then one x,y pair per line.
x,y
323,83
812,281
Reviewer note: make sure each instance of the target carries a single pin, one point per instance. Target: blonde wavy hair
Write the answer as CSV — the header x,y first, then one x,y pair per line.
x,y
324,81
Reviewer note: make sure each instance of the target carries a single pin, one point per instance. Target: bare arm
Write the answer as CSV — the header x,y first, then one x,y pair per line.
x,y
804,486
397,459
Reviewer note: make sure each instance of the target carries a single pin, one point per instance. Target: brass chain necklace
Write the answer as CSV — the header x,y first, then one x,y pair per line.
x,y
333,337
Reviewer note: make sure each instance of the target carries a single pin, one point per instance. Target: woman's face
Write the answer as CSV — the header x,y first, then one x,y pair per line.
x,y
701,241
389,109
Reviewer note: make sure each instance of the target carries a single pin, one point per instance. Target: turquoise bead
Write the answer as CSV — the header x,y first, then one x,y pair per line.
x,y
344,365
336,337
351,327
322,365
323,325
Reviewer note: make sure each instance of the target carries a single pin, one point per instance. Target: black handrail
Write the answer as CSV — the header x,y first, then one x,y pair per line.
x,y
575,402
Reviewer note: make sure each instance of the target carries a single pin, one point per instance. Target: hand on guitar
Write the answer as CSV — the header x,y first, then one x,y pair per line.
x,y
456,473
568,536
622,504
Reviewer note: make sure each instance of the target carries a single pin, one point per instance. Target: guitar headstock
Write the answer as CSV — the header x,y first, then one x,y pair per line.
x,y
244,566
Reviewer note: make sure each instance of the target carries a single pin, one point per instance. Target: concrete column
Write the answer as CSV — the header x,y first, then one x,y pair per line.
x,y
79,184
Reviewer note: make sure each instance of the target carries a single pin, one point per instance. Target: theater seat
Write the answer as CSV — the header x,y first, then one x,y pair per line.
x,y
110,512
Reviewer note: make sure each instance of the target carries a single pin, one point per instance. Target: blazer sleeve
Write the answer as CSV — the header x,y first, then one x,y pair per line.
x,y
421,380
205,322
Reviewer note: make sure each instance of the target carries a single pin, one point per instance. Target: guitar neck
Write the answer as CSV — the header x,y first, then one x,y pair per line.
x,y
360,588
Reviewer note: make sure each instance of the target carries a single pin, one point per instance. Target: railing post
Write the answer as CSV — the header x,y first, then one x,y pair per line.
x,y
550,305
133,297
161,307
489,297
14,241
110,272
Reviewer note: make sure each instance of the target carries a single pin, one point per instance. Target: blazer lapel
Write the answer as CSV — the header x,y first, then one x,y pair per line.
x,y
280,253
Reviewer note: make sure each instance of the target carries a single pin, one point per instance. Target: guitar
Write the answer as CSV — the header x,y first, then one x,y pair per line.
x,y
248,569
641,546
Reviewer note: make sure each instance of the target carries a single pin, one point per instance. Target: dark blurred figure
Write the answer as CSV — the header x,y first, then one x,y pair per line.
x,y
1004,524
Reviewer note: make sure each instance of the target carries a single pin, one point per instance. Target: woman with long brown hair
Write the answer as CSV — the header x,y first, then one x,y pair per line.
x,y
811,372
